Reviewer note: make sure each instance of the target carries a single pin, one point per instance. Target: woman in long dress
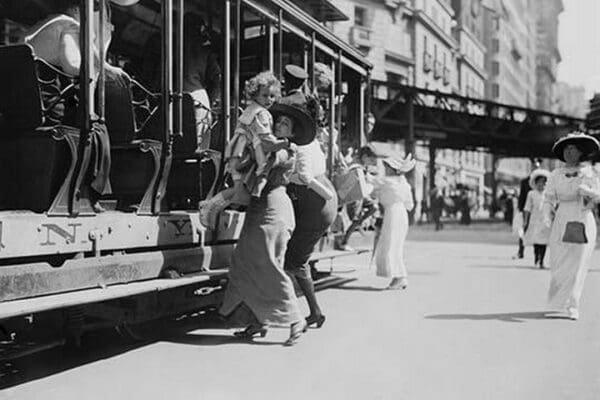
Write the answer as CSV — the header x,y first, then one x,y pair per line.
x,y
571,193
536,232
394,194
259,289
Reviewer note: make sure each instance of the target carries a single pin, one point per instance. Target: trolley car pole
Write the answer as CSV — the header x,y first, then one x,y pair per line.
x,y
102,67
179,76
227,72
237,25
167,104
86,107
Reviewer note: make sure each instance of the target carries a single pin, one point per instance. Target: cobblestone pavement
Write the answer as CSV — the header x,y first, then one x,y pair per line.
x,y
469,326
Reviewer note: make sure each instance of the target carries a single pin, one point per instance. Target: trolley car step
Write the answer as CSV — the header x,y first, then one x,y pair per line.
x,y
16,308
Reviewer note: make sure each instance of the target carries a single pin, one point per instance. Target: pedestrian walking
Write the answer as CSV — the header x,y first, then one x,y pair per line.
x,y
536,232
359,211
570,194
395,196
437,206
259,289
523,192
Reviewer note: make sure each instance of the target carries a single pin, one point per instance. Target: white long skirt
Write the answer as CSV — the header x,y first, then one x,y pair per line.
x,y
389,254
569,262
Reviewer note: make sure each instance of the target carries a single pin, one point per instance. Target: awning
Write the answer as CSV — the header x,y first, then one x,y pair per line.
x,y
322,10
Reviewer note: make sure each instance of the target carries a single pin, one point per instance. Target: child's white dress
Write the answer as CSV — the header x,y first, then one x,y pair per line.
x,y
394,194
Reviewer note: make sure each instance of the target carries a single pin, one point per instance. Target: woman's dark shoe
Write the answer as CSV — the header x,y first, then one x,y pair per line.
x,y
251,331
317,320
398,284
296,330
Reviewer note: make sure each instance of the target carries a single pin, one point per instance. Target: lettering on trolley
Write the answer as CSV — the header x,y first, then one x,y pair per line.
x,y
53,231
182,227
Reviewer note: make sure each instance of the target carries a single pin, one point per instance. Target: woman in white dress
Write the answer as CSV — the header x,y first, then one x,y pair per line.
x,y
570,194
536,232
394,194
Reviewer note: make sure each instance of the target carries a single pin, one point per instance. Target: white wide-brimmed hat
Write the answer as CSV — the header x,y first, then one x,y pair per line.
x,y
586,143
536,174
400,164
124,3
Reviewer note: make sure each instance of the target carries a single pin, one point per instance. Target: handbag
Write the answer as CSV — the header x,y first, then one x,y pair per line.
x,y
351,185
574,233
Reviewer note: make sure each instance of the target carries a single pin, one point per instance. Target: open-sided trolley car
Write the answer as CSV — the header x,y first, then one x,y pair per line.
x,y
70,263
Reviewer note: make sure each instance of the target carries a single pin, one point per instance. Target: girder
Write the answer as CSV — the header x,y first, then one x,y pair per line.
x,y
459,122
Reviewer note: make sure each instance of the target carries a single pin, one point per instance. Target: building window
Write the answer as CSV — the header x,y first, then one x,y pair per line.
x,y
495,90
495,45
393,77
360,16
495,68
496,23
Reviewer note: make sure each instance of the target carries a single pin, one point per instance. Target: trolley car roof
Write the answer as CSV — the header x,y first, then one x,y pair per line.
x,y
296,20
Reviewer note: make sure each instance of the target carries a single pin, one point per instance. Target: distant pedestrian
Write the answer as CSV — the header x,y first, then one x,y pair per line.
x,y
437,206
465,208
523,191
536,232
394,194
571,193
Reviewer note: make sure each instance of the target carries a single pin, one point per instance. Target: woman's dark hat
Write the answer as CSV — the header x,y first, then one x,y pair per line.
x,y
304,130
586,143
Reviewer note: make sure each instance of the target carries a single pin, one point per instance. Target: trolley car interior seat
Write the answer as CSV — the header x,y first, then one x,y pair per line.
x,y
34,158
38,153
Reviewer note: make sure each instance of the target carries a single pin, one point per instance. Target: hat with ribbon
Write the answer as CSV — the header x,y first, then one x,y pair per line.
x,y
401,165
540,172
588,145
304,128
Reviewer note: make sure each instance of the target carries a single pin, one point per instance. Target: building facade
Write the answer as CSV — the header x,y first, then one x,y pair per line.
x,y
510,38
418,42
548,55
470,60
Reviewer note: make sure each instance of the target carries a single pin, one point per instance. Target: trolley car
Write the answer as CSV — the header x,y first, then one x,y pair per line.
x,y
65,267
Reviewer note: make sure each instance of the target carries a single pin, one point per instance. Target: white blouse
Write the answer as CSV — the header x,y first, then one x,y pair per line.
x,y
310,163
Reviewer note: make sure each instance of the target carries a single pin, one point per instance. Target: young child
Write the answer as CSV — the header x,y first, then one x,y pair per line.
x,y
394,194
536,232
253,133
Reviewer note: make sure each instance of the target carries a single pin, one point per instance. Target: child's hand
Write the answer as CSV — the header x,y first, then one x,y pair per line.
x,y
293,147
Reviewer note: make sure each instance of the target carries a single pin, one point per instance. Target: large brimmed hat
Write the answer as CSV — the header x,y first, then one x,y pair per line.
x,y
586,143
304,130
536,174
400,164
125,3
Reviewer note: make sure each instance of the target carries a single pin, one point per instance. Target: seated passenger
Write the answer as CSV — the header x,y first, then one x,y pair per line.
x,y
56,41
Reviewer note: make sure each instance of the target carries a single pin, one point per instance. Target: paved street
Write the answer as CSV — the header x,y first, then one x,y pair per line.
x,y
468,327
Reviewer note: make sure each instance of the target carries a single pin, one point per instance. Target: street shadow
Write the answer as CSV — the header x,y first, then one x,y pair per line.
x,y
518,317
201,339
361,288
510,266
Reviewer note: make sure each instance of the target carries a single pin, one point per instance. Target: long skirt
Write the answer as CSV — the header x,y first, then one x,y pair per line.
x,y
569,262
256,276
389,254
314,215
